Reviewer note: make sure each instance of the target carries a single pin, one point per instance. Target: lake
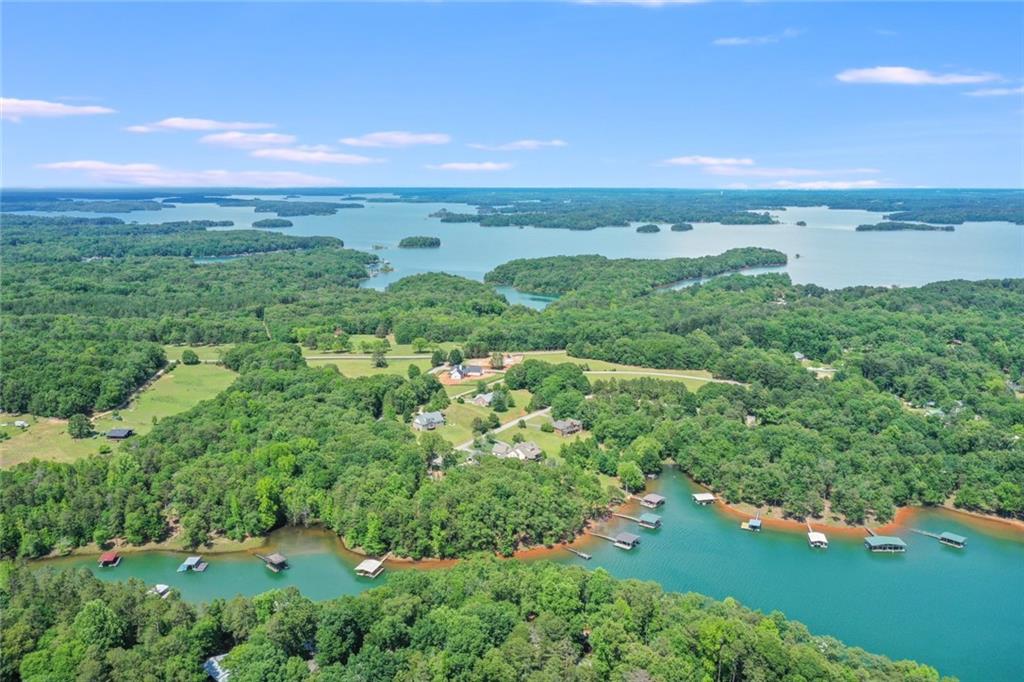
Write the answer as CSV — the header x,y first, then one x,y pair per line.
x,y
959,610
831,253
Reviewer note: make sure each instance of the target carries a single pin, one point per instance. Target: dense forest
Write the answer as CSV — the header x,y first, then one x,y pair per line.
x,y
272,223
419,243
921,406
556,275
482,620
890,226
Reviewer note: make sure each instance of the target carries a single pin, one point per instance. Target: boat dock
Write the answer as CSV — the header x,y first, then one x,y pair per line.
x,y
645,520
275,562
946,538
815,539
753,525
582,555
622,540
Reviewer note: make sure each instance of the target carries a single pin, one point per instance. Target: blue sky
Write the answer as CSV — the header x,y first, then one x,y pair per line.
x,y
457,94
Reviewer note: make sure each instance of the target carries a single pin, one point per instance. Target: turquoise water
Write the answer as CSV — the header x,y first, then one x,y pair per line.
x,y
959,610
831,253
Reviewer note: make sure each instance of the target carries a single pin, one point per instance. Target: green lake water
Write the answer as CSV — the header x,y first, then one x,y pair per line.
x,y
959,610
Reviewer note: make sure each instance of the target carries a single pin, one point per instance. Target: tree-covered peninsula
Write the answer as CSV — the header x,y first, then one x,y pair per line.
x,y
482,620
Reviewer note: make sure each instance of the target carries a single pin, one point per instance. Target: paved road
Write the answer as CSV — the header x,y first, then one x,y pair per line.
x,y
504,427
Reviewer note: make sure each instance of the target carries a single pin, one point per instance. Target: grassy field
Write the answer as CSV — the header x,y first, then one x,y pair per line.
x,y
357,340
459,418
204,352
354,367
693,378
172,393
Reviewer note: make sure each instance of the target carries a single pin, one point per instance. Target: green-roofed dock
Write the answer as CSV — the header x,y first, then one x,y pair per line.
x,y
946,538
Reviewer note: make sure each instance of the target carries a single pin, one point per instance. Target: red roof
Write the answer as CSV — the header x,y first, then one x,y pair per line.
x,y
108,557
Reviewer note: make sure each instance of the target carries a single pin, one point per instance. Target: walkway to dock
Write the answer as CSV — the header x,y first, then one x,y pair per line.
x,y
627,517
924,532
582,555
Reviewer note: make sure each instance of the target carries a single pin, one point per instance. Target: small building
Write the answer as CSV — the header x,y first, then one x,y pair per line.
x,y
799,356
192,564
626,540
483,400
750,421
704,498
21,423
276,562
652,500
885,543
501,449
214,668
527,451
754,525
953,540
370,568
567,427
460,372
817,540
649,520
160,590
428,421
109,559
120,434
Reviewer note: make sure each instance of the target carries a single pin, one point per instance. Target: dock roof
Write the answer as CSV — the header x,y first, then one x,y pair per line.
x,y
627,538
276,558
883,540
650,518
369,566
815,536
703,497
108,557
654,498
953,537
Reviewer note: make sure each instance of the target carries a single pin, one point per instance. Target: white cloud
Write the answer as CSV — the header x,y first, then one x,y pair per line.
x,y
520,145
313,154
766,172
196,125
152,175
995,92
240,140
828,184
471,166
757,40
13,109
396,138
707,161
904,75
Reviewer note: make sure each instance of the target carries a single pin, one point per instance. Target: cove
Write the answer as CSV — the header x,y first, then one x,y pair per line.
x,y
960,611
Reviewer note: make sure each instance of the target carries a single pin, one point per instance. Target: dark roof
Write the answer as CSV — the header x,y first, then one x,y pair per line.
x,y
119,433
953,537
628,538
650,518
276,558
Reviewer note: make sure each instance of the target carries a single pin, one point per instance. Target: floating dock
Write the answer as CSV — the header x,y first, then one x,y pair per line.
x,y
275,562
370,568
946,538
645,520
193,563
652,500
582,555
815,539
704,498
884,543
622,540
753,525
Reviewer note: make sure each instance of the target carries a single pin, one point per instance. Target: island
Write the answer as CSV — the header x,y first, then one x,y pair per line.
x,y
801,223
420,242
681,227
272,223
891,226
649,228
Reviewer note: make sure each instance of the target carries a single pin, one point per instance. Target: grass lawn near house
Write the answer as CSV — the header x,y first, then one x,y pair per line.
x,y
356,341
693,378
172,393
356,367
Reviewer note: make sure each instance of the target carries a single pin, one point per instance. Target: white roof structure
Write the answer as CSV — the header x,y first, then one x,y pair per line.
x,y
816,538
370,567
703,497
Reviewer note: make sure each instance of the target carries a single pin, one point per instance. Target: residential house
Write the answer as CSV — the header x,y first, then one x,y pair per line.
x,y
567,427
428,421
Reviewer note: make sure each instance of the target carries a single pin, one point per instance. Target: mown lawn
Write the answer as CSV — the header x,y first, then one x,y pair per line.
x,y
693,378
172,393
355,367
356,341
